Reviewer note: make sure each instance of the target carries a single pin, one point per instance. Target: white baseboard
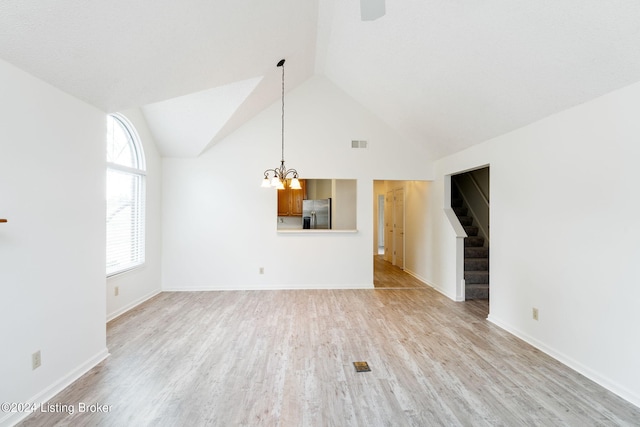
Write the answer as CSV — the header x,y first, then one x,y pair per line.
x,y
431,285
417,276
266,288
594,376
12,418
131,305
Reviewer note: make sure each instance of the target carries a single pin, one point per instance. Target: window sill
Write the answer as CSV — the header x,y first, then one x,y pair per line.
x,y
126,270
307,231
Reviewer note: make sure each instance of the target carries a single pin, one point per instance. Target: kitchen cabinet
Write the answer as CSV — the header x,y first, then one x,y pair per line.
x,y
290,200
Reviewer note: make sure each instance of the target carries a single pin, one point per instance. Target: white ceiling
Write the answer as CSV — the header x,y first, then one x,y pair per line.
x,y
443,73
185,125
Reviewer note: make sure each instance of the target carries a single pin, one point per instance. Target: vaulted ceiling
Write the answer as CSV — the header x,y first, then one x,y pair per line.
x,y
443,73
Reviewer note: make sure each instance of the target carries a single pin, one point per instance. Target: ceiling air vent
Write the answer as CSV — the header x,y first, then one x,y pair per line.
x,y
358,144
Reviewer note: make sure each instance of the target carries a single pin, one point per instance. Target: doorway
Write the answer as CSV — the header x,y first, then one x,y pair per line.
x,y
380,225
470,202
394,227
390,237
392,203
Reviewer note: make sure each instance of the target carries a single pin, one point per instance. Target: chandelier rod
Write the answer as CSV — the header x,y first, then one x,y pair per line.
x,y
281,64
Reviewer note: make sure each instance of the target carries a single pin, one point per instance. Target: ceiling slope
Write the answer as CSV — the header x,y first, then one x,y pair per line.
x,y
122,54
183,126
444,74
450,74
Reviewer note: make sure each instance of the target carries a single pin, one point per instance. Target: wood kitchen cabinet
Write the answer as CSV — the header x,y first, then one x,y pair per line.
x,y
290,201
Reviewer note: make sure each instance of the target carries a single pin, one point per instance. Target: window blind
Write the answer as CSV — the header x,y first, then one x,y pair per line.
x,y
125,220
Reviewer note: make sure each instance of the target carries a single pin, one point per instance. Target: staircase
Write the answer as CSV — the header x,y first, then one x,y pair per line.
x,y
476,255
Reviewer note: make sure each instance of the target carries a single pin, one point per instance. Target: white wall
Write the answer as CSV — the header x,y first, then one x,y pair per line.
x,y
138,285
564,192
344,204
219,225
52,250
416,230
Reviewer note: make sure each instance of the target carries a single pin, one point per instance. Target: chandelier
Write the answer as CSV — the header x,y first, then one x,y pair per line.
x,y
281,173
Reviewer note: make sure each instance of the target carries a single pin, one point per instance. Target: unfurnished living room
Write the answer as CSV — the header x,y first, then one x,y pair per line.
x,y
319,213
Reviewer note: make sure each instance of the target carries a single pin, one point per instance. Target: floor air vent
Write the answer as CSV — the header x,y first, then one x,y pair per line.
x,y
358,144
361,366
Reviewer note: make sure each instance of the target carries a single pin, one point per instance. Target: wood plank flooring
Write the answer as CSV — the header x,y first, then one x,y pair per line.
x,y
285,358
386,276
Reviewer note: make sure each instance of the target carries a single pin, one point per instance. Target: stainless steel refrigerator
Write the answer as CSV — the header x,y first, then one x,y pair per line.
x,y
316,214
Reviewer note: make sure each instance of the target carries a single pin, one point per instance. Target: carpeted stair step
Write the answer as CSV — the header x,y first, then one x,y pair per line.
x,y
473,241
476,252
476,255
476,277
476,264
459,210
476,292
465,220
471,230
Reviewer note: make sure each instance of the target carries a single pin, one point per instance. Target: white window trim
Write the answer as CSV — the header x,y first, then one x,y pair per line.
x,y
126,169
141,171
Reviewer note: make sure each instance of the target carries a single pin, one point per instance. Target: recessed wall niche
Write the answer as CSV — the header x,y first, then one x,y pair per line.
x,y
321,204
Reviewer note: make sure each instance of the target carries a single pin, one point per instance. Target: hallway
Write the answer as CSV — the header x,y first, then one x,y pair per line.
x,y
388,276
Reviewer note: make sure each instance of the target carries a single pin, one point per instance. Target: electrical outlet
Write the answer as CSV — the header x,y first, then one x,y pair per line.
x,y
261,270
534,313
36,360
116,290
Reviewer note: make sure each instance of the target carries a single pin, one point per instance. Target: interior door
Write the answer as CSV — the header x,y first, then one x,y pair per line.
x,y
398,227
388,227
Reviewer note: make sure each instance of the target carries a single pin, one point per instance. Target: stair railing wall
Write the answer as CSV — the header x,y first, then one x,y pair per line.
x,y
475,182
476,201
460,235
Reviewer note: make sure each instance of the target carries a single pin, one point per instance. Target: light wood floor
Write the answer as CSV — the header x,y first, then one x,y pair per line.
x,y
386,275
285,358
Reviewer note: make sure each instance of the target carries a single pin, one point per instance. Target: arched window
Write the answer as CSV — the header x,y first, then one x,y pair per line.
x,y
125,196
